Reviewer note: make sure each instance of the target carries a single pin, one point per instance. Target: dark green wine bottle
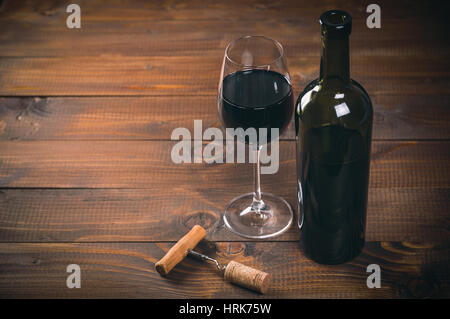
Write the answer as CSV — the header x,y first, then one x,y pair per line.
x,y
333,123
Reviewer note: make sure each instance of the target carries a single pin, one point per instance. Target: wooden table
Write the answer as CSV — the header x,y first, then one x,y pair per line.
x,y
86,175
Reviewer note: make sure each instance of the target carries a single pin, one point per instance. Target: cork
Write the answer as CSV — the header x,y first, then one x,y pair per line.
x,y
180,250
247,277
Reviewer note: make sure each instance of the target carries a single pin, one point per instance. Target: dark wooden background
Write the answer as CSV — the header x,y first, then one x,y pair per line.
x,y
85,170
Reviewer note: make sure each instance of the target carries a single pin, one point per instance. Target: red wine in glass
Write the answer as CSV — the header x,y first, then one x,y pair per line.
x,y
256,98
255,92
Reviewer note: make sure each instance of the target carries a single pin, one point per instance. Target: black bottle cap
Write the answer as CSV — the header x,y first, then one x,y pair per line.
x,y
336,22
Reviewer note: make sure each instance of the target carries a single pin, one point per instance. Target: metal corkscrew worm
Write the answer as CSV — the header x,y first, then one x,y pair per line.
x,y
202,257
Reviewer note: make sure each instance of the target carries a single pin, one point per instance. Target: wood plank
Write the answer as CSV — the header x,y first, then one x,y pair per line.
x,y
407,179
166,214
47,36
115,76
219,10
148,164
154,118
408,270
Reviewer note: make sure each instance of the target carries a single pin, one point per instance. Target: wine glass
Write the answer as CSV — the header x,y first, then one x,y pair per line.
x,y
255,92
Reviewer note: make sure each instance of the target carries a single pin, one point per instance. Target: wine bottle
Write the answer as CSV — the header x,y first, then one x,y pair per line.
x,y
333,123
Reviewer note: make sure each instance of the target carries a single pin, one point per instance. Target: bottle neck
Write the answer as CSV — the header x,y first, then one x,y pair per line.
x,y
335,61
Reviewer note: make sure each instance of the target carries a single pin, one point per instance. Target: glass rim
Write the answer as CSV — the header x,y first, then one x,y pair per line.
x,y
275,42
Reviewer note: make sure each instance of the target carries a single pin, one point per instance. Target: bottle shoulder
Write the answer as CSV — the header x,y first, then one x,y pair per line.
x,y
334,103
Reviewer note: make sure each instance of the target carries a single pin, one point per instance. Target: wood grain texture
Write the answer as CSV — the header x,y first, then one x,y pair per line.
x,y
148,164
409,270
154,118
37,35
180,28
407,180
183,76
219,10
166,214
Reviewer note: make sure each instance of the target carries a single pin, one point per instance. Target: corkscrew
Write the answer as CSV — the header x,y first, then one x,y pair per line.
x,y
233,272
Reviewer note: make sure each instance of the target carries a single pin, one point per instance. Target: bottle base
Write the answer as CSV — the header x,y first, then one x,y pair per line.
x,y
331,260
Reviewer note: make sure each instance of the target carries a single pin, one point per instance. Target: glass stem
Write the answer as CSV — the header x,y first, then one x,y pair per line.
x,y
257,201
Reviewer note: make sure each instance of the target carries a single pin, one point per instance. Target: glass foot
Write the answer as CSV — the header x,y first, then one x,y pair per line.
x,y
268,218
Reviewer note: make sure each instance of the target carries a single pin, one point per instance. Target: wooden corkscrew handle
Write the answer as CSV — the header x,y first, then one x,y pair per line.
x,y
180,250
247,277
